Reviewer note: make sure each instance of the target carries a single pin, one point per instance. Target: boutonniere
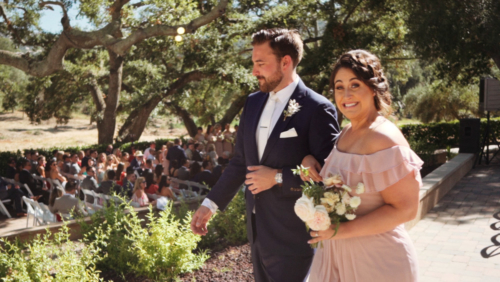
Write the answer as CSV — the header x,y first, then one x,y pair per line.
x,y
293,107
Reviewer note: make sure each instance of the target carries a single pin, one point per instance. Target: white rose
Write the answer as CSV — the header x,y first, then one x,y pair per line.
x,y
350,216
333,196
304,208
361,188
355,202
332,180
328,201
346,199
347,188
320,221
340,209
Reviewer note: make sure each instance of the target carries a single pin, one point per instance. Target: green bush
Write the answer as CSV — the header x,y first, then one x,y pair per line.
x,y
442,135
227,227
46,259
161,250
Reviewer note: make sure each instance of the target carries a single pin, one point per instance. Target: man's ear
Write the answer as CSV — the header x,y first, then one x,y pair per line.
x,y
286,62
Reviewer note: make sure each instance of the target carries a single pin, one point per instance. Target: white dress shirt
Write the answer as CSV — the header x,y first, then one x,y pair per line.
x,y
281,98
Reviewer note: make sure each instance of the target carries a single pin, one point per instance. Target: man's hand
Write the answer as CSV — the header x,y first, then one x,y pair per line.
x,y
314,169
200,219
261,178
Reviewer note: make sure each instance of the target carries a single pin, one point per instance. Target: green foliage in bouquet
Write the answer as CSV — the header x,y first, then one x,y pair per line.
x,y
49,259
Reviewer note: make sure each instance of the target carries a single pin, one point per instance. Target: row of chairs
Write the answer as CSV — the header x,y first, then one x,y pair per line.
x,y
41,213
3,209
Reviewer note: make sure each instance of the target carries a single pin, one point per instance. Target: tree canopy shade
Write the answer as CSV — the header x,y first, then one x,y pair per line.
x,y
464,35
117,31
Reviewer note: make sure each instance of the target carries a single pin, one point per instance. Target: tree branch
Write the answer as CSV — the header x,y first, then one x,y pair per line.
x,y
121,46
96,93
351,12
65,18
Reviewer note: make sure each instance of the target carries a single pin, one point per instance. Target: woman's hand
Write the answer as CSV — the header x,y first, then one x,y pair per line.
x,y
318,236
314,168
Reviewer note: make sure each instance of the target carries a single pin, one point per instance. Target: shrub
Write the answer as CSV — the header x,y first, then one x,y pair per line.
x,y
46,259
227,227
161,250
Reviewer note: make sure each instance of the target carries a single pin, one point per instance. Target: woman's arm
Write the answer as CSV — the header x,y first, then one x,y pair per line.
x,y
401,205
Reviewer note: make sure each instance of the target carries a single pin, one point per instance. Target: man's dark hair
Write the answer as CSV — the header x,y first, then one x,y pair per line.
x,y
196,145
24,162
111,174
92,151
130,170
66,157
12,160
149,162
205,164
73,155
283,42
71,185
200,128
177,141
54,152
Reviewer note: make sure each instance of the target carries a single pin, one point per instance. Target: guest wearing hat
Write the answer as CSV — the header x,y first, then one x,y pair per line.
x,y
138,162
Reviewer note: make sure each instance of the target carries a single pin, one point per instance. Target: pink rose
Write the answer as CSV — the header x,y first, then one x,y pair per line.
x,y
320,220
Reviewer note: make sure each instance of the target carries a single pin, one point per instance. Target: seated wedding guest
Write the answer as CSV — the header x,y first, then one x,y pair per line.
x,y
205,177
60,155
147,152
189,151
54,194
111,162
148,166
101,162
173,172
81,155
138,195
67,164
53,173
183,172
224,159
19,168
94,155
109,150
176,153
10,172
68,203
194,169
14,193
36,188
120,174
164,189
125,158
118,153
152,155
158,173
40,170
197,153
109,186
132,154
89,182
128,182
200,137
151,187
137,162
34,161
74,168
212,154
85,159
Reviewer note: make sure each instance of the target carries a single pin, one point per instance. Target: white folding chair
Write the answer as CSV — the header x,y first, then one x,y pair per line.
x,y
3,209
48,216
33,209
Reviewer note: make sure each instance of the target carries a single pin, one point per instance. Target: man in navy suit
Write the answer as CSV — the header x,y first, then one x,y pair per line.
x,y
271,141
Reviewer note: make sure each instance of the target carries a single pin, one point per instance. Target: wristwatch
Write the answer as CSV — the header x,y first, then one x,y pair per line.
x,y
279,177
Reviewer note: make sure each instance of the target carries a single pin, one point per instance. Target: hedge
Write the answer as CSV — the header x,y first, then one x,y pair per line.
x,y
442,135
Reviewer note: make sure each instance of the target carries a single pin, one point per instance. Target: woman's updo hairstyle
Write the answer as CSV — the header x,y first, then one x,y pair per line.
x,y
367,68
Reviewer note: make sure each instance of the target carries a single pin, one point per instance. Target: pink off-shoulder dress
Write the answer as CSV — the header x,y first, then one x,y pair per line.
x,y
384,257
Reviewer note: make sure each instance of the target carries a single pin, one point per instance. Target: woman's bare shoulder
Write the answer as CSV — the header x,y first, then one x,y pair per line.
x,y
385,136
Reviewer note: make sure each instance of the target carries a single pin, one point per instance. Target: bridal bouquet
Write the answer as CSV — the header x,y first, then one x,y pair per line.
x,y
326,203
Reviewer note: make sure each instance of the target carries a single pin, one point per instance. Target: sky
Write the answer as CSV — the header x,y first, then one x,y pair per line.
x,y
51,20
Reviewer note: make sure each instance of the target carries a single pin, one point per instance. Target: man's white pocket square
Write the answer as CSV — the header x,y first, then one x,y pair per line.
x,y
289,133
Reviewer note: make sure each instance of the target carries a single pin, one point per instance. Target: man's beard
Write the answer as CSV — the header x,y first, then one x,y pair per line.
x,y
271,82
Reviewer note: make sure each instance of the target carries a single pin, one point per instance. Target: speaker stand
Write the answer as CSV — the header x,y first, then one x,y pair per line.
x,y
487,137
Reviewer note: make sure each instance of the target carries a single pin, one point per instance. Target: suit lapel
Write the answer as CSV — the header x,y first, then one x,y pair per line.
x,y
258,107
282,122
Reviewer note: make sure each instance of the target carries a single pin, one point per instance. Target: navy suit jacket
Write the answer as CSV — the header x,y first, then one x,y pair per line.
x,y
279,229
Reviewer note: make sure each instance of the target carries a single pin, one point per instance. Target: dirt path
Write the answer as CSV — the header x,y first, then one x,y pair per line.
x,y
17,133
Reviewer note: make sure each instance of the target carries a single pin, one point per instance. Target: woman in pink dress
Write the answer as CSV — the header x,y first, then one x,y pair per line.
x,y
372,150
228,139
219,149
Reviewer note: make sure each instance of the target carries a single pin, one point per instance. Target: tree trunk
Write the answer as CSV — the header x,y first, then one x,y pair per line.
x,y
233,110
107,124
186,118
135,123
